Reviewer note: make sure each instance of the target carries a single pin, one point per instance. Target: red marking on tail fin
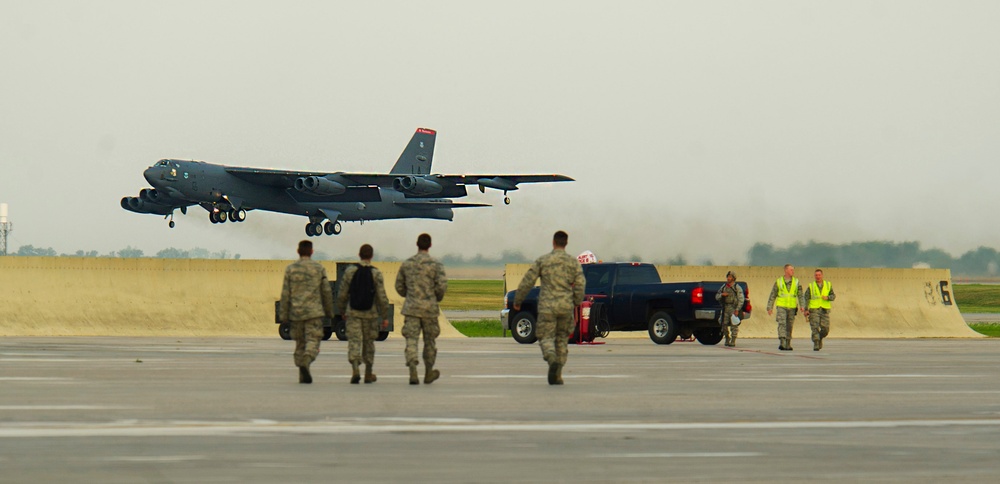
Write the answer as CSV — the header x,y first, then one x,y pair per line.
x,y
426,131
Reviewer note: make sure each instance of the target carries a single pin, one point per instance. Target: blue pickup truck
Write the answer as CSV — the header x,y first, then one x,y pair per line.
x,y
631,297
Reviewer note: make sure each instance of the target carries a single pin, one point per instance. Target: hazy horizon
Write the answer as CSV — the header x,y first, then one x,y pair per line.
x,y
691,128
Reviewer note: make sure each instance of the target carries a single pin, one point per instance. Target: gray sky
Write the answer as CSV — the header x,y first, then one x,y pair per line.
x,y
691,127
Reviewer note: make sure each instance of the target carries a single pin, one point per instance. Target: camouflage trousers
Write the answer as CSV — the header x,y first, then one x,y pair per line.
x,y
726,321
785,318
361,335
554,328
412,327
819,322
307,335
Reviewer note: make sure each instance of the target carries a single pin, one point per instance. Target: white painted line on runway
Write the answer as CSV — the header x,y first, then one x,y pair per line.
x,y
539,376
156,458
66,407
827,378
243,428
942,392
683,455
32,378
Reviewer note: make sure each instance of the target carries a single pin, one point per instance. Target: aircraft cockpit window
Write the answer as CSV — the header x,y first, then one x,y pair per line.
x,y
161,163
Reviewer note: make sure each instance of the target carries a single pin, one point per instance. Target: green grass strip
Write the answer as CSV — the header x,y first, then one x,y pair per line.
x,y
989,329
469,295
483,328
977,298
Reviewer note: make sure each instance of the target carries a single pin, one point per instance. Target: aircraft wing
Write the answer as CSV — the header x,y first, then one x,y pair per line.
x,y
438,204
286,179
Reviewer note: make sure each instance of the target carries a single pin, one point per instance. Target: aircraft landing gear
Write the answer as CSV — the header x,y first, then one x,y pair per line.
x,y
171,224
314,229
506,199
332,228
238,215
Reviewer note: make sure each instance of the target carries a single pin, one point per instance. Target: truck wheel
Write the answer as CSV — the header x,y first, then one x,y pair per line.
x,y
285,331
662,328
327,332
708,336
523,328
382,336
340,329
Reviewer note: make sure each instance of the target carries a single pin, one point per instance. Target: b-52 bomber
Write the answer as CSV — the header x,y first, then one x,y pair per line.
x,y
409,190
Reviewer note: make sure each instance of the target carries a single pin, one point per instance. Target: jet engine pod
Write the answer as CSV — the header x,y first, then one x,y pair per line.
x,y
419,186
137,205
318,185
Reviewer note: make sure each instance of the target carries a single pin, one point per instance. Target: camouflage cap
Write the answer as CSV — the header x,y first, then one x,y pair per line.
x,y
731,273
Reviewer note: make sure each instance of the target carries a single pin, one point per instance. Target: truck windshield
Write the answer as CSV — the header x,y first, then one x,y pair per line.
x,y
642,274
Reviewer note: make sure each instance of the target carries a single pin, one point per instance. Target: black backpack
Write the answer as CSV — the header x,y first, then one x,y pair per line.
x,y
363,289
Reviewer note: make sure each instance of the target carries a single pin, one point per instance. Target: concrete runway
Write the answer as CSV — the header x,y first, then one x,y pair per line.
x,y
230,410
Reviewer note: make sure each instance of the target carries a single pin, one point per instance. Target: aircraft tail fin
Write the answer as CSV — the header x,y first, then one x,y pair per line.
x,y
418,154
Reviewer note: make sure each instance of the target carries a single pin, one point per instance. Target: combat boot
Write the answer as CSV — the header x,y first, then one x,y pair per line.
x,y
817,345
369,376
781,344
430,375
732,342
414,379
553,373
304,376
559,375
728,341
355,375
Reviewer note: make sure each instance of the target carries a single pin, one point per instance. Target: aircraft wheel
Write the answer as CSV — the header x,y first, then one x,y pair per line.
x,y
222,217
328,228
171,224
506,200
241,215
336,228
309,230
232,216
212,217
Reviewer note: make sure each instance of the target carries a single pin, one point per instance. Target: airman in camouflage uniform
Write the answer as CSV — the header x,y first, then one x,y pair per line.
x,y
363,324
818,298
731,297
562,290
787,294
305,299
421,280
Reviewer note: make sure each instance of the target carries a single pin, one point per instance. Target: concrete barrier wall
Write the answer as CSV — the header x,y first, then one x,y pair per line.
x,y
871,303
66,296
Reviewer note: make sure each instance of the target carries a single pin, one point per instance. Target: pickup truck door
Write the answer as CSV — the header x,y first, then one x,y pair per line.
x,y
599,284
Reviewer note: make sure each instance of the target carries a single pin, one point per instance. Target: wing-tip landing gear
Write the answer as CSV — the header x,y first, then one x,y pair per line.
x,y
171,217
506,199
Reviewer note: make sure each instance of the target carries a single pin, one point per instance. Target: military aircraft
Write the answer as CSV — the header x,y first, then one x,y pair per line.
x,y
409,190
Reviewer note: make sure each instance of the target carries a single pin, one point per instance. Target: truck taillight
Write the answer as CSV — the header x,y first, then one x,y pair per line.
x,y
505,300
697,296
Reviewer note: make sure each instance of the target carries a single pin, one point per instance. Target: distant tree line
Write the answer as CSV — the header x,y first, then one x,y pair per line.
x,y
981,262
129,252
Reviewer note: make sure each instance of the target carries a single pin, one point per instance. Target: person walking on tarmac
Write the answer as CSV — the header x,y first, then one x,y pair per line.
x,y
562,290
818,297
422,281
787,295
731,297
305,299
364,286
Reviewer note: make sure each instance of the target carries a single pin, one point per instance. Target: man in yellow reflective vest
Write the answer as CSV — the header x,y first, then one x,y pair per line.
x,y
787,295
818,297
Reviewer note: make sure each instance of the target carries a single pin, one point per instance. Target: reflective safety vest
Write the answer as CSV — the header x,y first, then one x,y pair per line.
x,y
786,298
816,300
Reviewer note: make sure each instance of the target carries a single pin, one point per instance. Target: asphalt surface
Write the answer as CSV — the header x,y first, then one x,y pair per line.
x,y
230,410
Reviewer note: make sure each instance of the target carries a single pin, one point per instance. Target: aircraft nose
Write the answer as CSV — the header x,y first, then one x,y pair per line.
x,y
151,175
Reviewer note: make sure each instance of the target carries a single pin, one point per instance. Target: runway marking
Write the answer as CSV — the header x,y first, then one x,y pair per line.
x,y
828,378
532,377
33,378
66,407
243,428
682,455
155,458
